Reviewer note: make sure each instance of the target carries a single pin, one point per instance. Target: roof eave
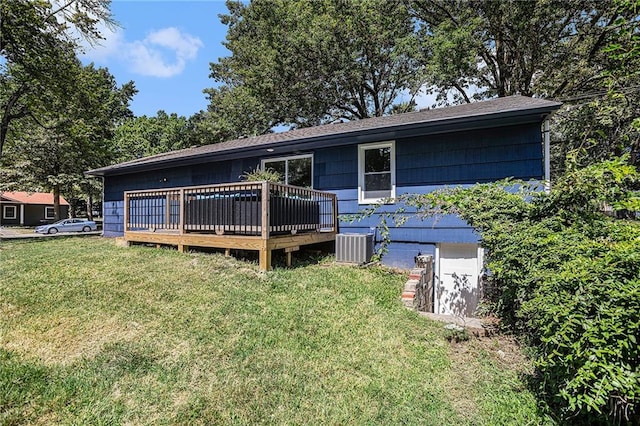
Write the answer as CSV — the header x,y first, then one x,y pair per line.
x,y
430,127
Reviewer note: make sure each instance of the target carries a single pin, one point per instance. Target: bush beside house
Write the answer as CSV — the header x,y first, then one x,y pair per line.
x,y
565,276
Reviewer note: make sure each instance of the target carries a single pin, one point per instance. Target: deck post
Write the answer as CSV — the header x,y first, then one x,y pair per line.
x,y
265,251
167,211
126,211
181,217
265,256
265,210
289,251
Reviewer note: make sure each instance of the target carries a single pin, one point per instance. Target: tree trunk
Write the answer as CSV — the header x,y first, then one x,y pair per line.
x,y
4,129
90,207
8,115
73,207
56,203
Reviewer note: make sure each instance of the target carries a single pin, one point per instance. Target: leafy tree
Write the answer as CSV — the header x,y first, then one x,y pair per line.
x,y
314,62
607,122
552,49
37,48
143,136
232,113
70,138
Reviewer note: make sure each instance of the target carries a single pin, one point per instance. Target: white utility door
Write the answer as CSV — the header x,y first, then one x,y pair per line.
x,y
459,269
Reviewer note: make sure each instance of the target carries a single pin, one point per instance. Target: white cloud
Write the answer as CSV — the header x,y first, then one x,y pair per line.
x,y
163,53
185,45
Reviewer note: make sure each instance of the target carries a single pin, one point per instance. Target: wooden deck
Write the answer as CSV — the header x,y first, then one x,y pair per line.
x,y
231,216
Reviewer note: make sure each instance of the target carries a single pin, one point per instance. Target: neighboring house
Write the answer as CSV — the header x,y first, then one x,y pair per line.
x,y
29,208
366,160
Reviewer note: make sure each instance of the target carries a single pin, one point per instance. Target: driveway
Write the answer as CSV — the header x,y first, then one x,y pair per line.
x,y
8,232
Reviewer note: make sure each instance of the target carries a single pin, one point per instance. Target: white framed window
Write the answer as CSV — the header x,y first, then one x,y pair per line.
x,y
10,212
376,172
49,213
295,170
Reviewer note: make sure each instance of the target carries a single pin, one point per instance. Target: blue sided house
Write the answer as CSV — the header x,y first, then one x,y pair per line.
x,y
194,197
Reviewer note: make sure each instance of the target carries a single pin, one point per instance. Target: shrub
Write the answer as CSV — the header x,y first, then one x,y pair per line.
x,y
258,175
566,277
584,321
575,295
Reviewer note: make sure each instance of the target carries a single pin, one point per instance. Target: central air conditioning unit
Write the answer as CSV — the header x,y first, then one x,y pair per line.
x,y
354,248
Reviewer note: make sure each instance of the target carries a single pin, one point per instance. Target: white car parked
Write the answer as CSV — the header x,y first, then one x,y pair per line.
x,y
68,225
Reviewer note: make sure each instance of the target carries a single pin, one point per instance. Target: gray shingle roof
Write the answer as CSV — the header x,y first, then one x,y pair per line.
x,y
511,104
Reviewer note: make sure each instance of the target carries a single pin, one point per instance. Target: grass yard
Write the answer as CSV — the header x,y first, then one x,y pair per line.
x,y
92,333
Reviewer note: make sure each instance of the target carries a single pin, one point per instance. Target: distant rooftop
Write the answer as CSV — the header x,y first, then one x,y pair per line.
x,y
31,198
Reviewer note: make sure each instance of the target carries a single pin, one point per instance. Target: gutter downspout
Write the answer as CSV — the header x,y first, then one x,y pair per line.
x,y
546,134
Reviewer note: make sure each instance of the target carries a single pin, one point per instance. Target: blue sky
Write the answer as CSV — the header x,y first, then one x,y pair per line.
x,y
165,47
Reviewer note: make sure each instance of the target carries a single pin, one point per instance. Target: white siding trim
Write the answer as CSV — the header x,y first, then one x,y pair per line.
x,y
53,215
5,210
436,280
546,134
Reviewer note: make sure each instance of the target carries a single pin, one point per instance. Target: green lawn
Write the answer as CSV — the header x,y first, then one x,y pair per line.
x,y
92,333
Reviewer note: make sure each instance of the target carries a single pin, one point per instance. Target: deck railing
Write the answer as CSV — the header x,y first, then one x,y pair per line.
x,y
235,209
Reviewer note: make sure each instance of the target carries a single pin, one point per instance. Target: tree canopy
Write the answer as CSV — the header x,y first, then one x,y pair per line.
x,y
606,121
579,52
38,41
142,136
73,135
314,62
552,49
232,113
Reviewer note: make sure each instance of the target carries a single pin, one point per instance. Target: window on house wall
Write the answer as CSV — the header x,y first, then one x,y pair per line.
x,y
49,213
376,172
295,170
10,212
